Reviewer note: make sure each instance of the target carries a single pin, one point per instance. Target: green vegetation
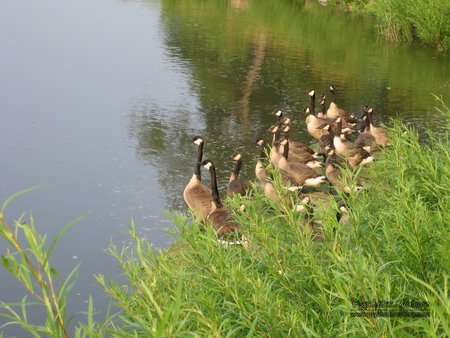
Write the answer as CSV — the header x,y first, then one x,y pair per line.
x,y
427,20
394,247
30,265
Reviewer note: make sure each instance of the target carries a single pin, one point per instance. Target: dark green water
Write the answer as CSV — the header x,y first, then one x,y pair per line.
x,y
245,58
99,101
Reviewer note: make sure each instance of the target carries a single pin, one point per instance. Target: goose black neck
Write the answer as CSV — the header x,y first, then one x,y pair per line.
x,y
333,95
338,128
370,118
280,121
262,154
237,167
312,101
323,109
286,150
363,124
276,138
331,132
214,189
197,171
367,123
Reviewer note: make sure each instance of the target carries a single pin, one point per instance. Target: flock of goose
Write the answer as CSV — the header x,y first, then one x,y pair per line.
x,y
299,165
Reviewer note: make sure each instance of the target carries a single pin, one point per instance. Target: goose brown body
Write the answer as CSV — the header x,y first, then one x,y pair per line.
x,y
365,139
301,173
300,154
380,134
355,155
314,124
264,178
196,195
334,111
221,218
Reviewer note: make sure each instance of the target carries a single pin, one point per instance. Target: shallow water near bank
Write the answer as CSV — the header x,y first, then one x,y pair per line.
x,y
99,101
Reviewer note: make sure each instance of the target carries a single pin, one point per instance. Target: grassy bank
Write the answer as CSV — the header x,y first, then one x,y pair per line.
x,y
425,20
393,248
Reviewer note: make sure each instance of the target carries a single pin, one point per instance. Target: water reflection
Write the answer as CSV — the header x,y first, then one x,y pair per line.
x,y
249,57
253,72
163,142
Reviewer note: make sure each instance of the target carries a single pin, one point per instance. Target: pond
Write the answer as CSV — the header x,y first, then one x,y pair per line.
x,y
99,101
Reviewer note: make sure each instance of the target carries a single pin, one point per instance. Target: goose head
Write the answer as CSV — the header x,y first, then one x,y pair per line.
x,y
197,140
236,157
277,113
208,164
274,129
260,142
287,121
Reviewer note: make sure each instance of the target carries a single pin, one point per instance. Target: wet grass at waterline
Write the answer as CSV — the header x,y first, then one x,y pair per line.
x,y
391,252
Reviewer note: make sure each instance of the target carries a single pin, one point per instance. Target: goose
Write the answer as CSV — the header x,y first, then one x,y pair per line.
x,y
294,145
297,145
237,185
315,124
355,155
380,134
348,128
300,172
342,215
323,108
311,225
334,173
300,154
326,140
260,169
278,114
365,139
362,122
359,157
334,111
264,178
274,153
196,195
342,145
221,218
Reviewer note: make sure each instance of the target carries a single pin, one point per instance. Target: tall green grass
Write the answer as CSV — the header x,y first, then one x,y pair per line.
x,y
427,20
393,248
27,258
